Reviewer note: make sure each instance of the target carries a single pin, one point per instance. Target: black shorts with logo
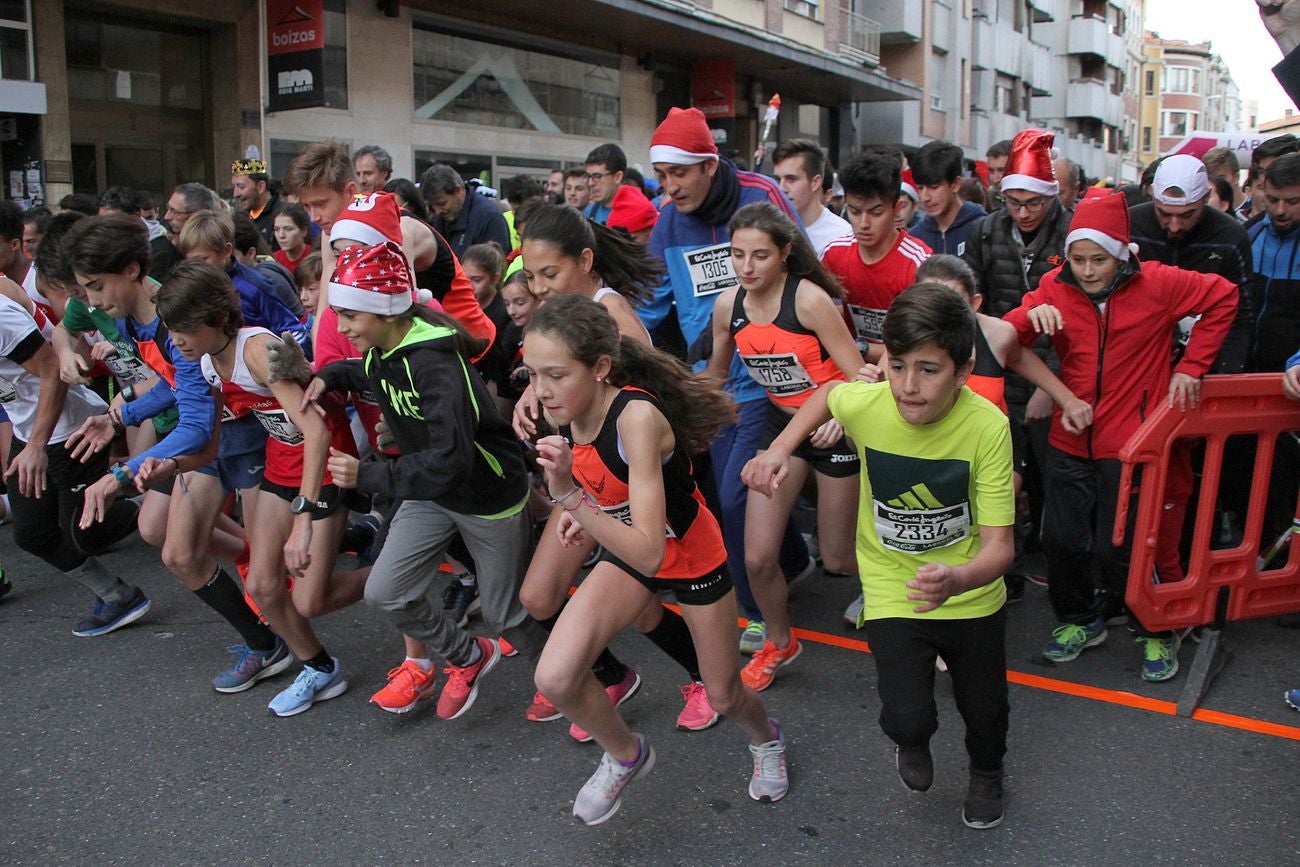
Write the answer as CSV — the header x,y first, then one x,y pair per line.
x,y
839,461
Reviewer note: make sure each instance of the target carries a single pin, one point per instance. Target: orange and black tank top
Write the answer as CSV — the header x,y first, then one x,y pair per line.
x,y
692,538
783,356
988,378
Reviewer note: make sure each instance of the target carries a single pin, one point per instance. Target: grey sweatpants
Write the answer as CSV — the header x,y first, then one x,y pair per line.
x,y
402,579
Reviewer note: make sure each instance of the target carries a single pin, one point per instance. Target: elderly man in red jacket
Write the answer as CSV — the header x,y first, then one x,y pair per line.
x,y
1110,319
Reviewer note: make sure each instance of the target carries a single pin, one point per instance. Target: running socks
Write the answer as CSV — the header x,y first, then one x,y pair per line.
x,y
607,668
223,596
322,662
673,637
92,575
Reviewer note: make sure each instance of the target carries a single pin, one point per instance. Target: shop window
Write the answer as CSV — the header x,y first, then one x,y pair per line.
x,y
16,62
466,80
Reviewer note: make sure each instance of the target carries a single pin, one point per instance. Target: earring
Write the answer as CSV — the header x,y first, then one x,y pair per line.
x,y
599,379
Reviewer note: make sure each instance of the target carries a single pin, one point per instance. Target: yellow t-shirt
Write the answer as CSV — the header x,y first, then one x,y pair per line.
x,y
926,489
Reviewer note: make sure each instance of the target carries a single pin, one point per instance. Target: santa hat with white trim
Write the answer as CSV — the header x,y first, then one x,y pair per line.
x,y
683,139
907,186
373,279
371,219
1030,166
1104,221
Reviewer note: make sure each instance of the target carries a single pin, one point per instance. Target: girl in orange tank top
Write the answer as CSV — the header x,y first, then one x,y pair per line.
x,y
625,481
783,321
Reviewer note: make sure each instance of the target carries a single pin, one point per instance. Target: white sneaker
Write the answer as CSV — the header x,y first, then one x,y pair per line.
x,y
771,779
601,796
851,613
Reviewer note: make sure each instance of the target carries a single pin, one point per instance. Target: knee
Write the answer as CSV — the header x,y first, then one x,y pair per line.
x,y
180,558
264,589
555,683
726,698
910,727
309,605
759,565
538,599
377,595
39,541
838,563
152,528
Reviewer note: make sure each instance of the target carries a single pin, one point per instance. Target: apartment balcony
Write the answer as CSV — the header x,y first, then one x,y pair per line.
x,y
900,22
982,50
1044,10
1008,52
1036,68
1092,98
1094,36
859,38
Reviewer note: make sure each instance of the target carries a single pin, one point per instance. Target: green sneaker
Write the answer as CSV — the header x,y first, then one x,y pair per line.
x,y
753,638
1068,641
1159,656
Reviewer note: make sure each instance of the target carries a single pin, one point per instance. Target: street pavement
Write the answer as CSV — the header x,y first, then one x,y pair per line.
x,y
116,750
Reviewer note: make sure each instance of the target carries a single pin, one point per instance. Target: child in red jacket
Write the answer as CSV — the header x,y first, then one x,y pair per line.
x,y
1110,318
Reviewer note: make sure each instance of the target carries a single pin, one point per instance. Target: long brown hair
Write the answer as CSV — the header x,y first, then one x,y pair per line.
x,y
802,261
694,406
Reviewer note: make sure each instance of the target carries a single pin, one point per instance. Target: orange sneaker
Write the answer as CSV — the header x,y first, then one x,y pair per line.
x,y
507,649
698,714
541,710
760,671
462,683
407,686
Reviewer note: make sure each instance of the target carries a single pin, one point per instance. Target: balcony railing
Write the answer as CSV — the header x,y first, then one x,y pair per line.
x,y
859,38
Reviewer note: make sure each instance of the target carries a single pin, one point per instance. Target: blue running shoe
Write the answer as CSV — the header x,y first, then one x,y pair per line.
x,y
250,666
1159,656
308,688
109,616
1068,641
1292,697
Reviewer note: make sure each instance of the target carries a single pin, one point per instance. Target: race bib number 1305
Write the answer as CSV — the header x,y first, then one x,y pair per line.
x,y
710,269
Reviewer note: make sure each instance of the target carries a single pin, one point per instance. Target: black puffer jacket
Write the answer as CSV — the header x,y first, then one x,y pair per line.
x,y
1006,270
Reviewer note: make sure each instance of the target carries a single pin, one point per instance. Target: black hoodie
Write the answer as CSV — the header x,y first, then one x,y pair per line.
x,y
455,448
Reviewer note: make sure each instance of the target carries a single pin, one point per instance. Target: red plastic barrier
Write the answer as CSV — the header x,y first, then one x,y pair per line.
x,y
1230,405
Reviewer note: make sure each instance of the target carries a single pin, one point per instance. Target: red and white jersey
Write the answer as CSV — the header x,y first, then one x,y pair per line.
x,y
870,289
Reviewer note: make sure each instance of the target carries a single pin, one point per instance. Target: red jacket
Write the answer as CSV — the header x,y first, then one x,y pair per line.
x,y
1116,354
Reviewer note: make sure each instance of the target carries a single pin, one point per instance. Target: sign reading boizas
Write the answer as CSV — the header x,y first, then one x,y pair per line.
x,y
295,54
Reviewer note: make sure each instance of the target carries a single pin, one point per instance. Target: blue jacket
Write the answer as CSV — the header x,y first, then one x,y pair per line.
x,y
261,304
599,212
1277,296
479,220
693,282
952,241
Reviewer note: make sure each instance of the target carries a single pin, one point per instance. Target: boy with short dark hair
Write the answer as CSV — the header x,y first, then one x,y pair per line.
x,y
934,534
879,260
947,221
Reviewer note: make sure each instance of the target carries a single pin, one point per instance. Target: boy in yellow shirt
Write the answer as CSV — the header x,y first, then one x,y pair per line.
x,y
934,534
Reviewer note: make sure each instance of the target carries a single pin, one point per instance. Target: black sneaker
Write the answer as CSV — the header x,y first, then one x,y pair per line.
x,y
460,601
915,767
983,807
5,586
358,537
1015,593
109,616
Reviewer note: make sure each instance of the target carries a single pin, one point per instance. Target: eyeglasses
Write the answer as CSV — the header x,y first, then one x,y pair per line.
x,y
1029,206
595,176
171,210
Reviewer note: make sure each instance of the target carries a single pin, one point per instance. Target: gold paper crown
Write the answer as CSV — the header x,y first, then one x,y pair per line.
x,y
248,167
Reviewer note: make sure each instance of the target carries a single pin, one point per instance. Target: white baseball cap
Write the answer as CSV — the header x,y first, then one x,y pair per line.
x,y
1180,180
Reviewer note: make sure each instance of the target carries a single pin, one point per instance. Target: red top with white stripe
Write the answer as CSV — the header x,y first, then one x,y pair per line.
x,y
870,289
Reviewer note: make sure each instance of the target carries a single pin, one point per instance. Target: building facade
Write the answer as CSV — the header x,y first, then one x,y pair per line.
x,y
1185,87
135,94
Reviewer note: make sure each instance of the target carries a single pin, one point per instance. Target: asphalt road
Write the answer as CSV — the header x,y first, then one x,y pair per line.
x,y
116,750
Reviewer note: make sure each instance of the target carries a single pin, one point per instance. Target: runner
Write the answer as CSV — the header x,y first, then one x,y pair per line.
x,y
568,254
626,482
783,321
300,512
110,257
460,470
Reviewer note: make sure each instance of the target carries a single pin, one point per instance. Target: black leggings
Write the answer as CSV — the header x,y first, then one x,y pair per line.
x,y
47,527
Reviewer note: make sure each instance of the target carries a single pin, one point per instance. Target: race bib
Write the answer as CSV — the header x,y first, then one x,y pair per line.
x,y
914,531
868,325
781,375
8,393
128,369
710,269
279,426
623,511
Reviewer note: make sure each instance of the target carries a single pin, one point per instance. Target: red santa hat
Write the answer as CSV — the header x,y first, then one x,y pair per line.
x,y
632,211
371,219
1104,221
683,139
908,186
373,279
1030,166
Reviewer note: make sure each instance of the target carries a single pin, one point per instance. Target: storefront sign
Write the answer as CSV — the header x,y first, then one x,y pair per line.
x,y
295,53
713,88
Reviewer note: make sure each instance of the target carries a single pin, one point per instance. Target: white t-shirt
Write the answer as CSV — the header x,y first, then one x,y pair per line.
x,y
19,390
828,227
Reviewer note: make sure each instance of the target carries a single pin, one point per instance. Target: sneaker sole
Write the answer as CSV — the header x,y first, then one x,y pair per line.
x,y
270,671
717,718
1100,639
645,768
978,825
324,695
1286,697
424,696
473,691
126,619
772,678
543,719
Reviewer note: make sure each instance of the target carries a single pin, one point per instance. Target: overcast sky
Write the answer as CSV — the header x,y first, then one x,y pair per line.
x,y
1238,36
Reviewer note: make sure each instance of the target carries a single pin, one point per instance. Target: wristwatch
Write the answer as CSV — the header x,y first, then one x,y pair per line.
x,y
300,505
